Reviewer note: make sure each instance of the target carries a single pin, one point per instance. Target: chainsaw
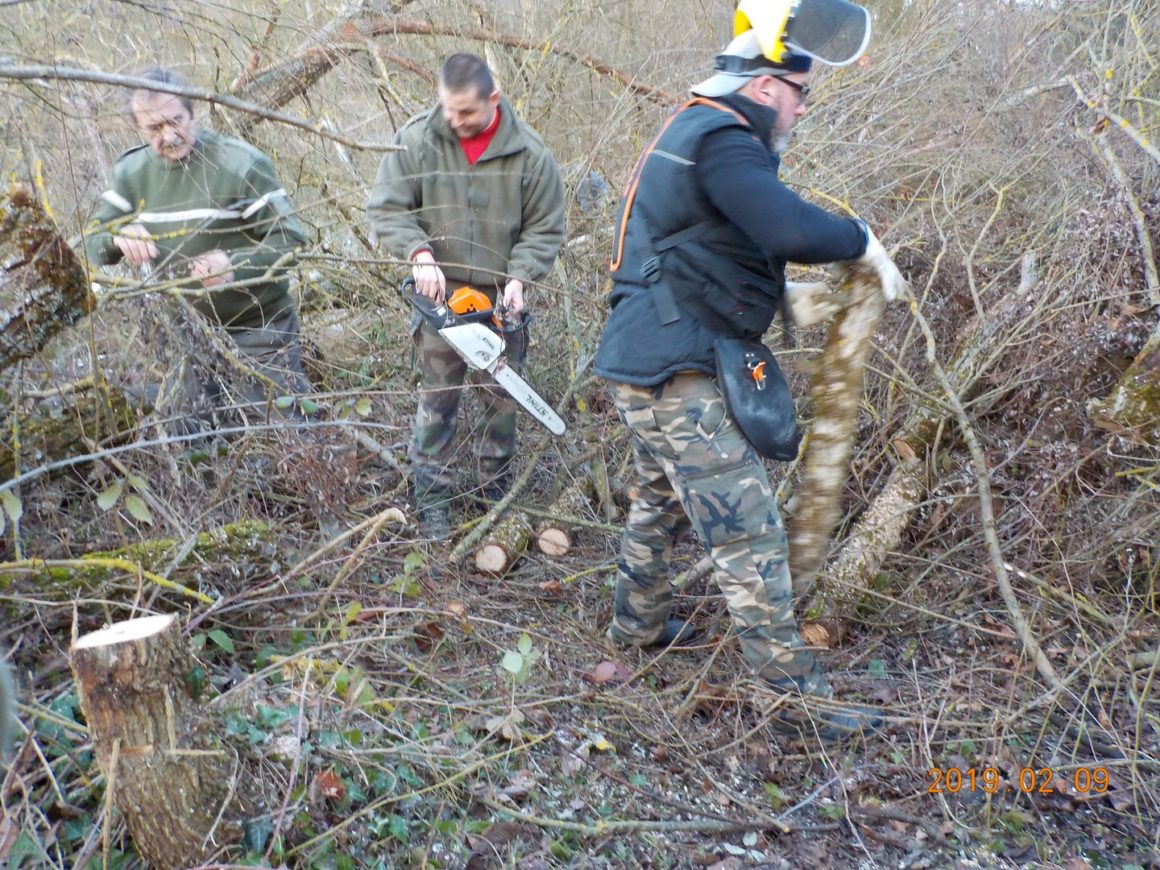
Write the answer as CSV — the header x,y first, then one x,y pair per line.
x,y
471,325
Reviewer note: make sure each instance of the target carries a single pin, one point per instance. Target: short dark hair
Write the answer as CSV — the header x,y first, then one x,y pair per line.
x,y
161,76
462,71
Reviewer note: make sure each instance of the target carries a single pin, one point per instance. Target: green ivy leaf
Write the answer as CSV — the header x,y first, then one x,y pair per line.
x,y
284,403
137,482
308,407
222,639
137,509
110,494
363,407
512,661
12,505
524,644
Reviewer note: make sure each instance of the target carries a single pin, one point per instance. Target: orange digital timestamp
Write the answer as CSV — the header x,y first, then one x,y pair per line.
x,y
1030,780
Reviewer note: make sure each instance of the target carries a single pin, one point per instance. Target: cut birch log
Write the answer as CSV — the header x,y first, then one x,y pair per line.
x,y
508,540
43,286
554,536
879,531
836,390
173,785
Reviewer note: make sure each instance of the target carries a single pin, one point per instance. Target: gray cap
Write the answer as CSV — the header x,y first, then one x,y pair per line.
x,y
742,60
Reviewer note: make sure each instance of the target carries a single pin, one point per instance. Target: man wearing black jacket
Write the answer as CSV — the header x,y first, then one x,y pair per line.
x,y
704,233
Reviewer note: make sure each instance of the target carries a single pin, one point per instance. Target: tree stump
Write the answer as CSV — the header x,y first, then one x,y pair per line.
x,y
554,536
506,543
169,779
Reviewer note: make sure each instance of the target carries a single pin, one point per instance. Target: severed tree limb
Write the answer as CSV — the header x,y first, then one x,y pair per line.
x,y
836,389
554,536
503,546
879,531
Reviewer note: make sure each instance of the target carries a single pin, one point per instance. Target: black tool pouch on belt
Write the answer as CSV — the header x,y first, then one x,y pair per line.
x,y
757,397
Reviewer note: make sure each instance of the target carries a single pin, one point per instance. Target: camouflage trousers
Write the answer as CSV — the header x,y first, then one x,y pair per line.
x,y
442,378
693,466
206,389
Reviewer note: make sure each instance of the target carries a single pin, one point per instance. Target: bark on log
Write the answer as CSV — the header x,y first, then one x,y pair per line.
x,y
1132,408
43,286
506,543
836,389
237,546
877,532
172,783
66,426
554,536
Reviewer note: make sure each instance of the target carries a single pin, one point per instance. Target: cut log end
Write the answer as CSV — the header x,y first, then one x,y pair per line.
x,y
820,634
125,632
491,559
553,542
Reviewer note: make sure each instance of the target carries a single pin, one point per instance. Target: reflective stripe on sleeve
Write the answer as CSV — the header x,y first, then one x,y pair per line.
x,y
259,203
117,201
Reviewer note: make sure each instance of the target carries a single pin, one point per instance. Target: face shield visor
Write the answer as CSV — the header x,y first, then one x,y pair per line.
x,y
834,32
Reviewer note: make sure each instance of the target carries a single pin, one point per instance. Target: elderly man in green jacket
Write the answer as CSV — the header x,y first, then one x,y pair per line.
x,y
474,198
207,211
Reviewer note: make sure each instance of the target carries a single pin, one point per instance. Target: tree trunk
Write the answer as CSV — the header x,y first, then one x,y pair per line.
x,y
554,536
43,286
506,543
173,785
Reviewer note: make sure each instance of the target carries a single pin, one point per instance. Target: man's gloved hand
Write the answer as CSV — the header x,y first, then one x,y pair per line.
x,y
894,286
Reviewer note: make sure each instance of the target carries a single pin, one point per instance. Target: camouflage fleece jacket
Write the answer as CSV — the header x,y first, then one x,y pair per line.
x,y
224,195
501,217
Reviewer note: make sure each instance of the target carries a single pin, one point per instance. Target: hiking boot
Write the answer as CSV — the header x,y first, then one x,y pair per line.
x,y
676,633
434,521
494,488
818,717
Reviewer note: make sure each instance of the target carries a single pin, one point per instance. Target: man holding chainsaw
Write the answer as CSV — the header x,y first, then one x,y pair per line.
x,y
207,211
704,233
474,198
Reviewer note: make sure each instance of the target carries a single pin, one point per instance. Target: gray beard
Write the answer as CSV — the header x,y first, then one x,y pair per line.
x,y
778,142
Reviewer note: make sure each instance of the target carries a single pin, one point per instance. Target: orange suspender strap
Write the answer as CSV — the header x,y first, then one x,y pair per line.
x,y
634,178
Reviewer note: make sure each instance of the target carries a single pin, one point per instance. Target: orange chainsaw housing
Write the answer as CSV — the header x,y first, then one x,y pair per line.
x,y
467,300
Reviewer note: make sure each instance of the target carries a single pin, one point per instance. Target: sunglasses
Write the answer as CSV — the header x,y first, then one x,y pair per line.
x,y
803,91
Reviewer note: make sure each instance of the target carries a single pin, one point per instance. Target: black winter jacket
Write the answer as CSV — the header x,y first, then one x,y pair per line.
x,y
702,251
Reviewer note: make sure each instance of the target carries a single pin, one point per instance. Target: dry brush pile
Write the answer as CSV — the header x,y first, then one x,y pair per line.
x,y
992,582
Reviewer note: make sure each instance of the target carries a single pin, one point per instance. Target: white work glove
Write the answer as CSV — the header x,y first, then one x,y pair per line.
x,y
893,285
